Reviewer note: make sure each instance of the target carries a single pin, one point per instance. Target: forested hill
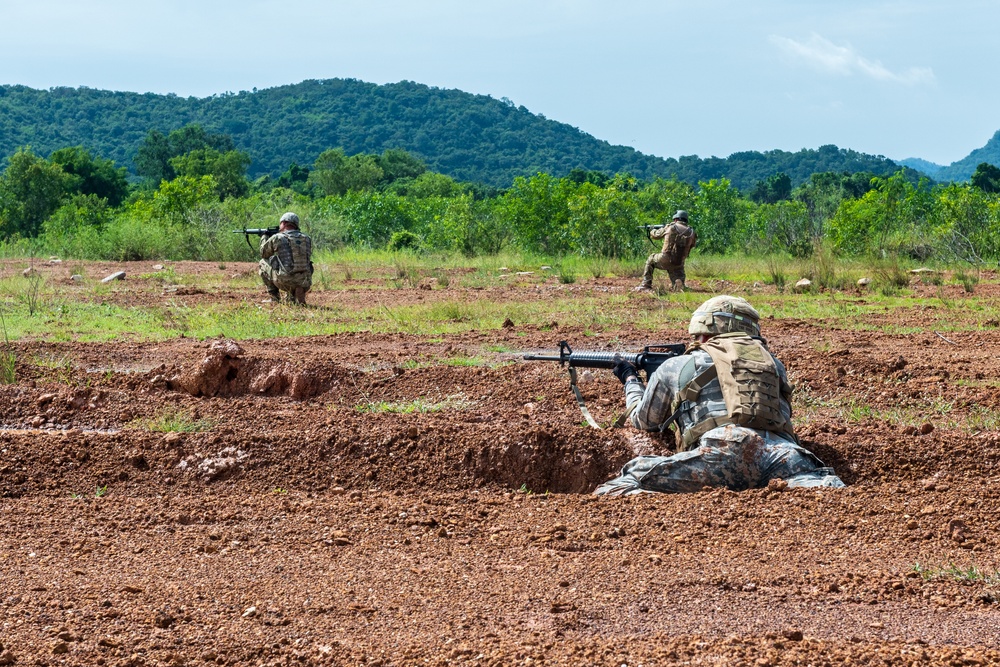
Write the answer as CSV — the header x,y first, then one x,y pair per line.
x,y
964,168
469,137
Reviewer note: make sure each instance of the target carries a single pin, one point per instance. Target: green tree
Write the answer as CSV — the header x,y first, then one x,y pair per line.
x,y
396,163
537,210
31,189
718,211
429,184
372,217
986,178
581,176
152,160
334,173
893,217
603,221
92,176
76,228
327,175
969,223
660,199
773,189
227,169
362,173
295,178
782,227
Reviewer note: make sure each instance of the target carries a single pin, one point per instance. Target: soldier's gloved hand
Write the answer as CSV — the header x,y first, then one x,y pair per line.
x,y
623,370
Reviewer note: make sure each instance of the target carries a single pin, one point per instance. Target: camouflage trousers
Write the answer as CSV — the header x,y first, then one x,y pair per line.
x,y
733,457
286,282
660,260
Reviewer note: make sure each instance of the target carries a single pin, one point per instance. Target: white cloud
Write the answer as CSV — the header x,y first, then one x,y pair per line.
x,y
824,55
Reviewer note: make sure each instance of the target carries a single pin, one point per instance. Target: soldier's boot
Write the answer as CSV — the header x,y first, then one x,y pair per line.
x,y
647,279
300,296
275,295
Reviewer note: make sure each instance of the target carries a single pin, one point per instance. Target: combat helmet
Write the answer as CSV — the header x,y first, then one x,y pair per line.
x,y
681,215
724,314
290,218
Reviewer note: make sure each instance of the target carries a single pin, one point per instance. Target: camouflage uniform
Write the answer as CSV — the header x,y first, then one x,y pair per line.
x,y
286,263
678,240
730,456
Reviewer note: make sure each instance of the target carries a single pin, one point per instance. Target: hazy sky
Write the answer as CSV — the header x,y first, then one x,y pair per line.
x,y
913,78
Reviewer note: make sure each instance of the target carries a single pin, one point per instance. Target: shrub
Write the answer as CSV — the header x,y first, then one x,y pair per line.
x,y
404,240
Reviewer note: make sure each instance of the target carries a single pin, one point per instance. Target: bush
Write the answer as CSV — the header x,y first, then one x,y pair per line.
x,y
403,240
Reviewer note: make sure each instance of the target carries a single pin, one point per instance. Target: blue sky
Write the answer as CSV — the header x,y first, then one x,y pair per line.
x,y
900,79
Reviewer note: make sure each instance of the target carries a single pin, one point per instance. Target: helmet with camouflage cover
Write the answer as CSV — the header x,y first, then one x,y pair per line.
x,y
724,314
681,215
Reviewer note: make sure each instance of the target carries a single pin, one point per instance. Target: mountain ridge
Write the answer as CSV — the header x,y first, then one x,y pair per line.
x,y
467,136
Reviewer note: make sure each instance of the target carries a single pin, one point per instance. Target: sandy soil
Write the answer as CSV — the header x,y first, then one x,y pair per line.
x,y
302,528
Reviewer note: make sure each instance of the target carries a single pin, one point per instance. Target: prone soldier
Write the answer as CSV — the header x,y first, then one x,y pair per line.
x,y
728,400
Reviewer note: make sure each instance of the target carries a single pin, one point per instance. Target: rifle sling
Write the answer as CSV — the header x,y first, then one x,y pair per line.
x,y
579,399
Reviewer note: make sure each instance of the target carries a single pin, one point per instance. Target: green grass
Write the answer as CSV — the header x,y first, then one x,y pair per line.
x,y
60,369
938,410
8,367
465,361
417,405
174,420
95,312
952,572
8,358
499,349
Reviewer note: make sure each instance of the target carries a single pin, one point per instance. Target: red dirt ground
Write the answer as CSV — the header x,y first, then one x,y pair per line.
x,y
298,529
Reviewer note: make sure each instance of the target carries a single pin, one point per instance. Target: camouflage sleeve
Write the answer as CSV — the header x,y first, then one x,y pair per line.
x,y
652,407
267,247
634,389
659,233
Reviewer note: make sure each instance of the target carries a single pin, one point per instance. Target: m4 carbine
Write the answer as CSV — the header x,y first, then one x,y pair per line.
x,y
650,228
648,360
266,232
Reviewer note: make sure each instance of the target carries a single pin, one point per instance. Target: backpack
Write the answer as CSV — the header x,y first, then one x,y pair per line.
x,y
751,387
677,242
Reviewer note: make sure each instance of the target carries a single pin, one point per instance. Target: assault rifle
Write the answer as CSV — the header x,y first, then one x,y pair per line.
x,y
650,228
266,232
648,360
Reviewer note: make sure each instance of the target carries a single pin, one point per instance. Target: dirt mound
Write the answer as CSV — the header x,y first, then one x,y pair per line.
x,y
226,372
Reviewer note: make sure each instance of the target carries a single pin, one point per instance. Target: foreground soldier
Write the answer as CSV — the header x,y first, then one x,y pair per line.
x,y
678,240
285,263
728,400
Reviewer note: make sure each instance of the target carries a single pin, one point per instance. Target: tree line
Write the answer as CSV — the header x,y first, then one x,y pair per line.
x,y
473,138
194,189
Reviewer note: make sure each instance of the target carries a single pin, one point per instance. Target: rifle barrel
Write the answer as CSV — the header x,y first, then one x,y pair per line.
x,y
543,357
588,359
